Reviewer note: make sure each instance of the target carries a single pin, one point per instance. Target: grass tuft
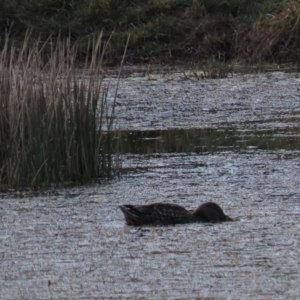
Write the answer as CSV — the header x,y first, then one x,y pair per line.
x,y
54,118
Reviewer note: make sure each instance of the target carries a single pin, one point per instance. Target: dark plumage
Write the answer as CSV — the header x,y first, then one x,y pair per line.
x,y
166,213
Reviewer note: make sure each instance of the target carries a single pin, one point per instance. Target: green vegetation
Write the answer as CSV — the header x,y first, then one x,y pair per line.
x,y
54,119
165,30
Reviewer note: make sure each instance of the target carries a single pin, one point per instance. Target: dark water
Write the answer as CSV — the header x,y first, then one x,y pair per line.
x,y
234,141
205,140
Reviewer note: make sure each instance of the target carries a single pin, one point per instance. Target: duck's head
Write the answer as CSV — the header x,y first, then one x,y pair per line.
x,y
210,212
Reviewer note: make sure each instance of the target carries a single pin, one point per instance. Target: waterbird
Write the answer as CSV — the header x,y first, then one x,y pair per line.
x,y
167,213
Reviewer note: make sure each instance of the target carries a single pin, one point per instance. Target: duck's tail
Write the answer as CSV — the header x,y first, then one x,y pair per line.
x,y
130,213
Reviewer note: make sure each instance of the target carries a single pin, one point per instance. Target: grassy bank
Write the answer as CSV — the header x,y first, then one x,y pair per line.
x,y
165,30
54,120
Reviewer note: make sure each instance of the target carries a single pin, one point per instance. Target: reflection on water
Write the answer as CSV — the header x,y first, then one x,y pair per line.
x,y
205,140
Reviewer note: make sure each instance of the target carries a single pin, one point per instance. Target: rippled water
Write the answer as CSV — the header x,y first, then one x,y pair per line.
x,y
73,243
180,100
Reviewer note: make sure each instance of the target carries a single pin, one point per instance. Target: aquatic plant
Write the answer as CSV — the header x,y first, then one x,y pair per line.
x,y
54,118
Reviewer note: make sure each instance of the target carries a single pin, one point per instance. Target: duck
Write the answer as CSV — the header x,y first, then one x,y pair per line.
x,y
170,214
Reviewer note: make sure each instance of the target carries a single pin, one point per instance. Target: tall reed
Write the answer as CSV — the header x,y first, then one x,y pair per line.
x,y
54,118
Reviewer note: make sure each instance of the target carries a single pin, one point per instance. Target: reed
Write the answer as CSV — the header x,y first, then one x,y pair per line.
x,y
54,118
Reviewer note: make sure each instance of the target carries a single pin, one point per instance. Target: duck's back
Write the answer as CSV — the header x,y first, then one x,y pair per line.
x,y
157,213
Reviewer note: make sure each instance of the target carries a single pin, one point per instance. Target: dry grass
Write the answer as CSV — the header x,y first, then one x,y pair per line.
x,y
275,36
166,31
52,115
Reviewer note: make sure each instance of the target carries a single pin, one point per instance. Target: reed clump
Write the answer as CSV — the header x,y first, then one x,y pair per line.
x,y
54,118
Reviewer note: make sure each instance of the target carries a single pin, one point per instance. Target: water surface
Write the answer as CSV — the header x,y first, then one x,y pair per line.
x,y
234,141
